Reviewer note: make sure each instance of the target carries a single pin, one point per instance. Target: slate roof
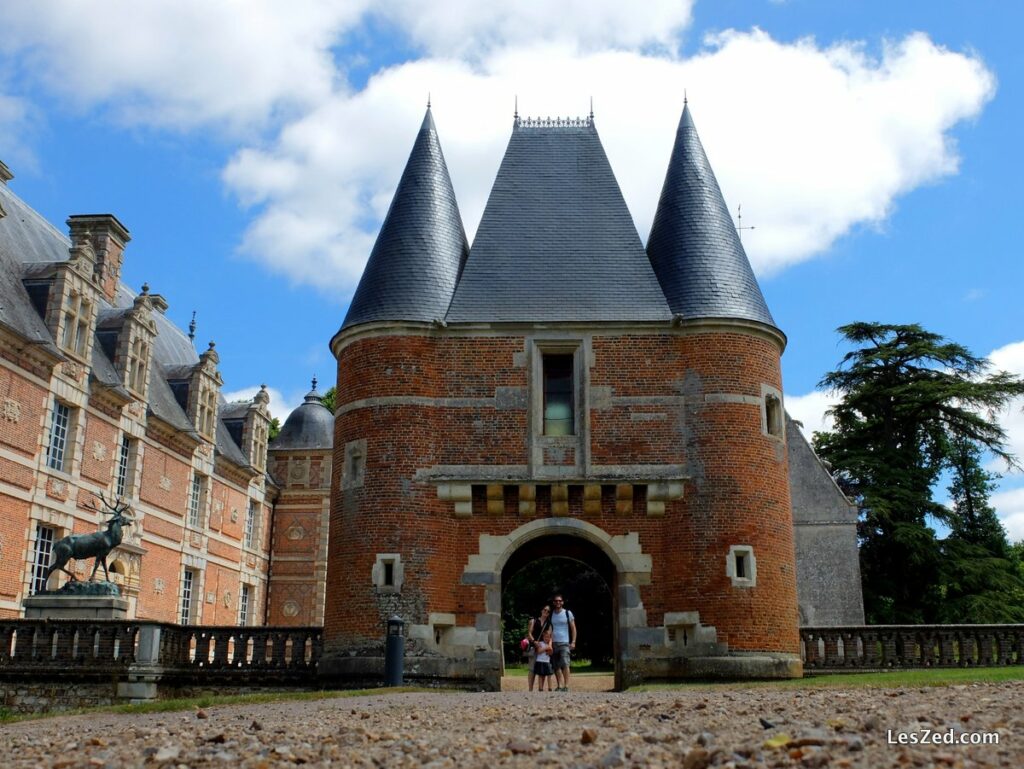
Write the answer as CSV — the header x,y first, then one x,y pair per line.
x,y
29,246
694,247
310,426
556,241
415,263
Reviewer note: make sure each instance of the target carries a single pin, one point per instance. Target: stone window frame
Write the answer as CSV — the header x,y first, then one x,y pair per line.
x,y
250,535
245,604
199,491
773,413
60,444
76,316
746,552
125,469
379,573
574,346
138,364
42,552
188,595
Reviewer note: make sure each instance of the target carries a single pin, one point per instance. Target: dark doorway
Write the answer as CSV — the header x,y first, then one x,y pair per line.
x,y
582,574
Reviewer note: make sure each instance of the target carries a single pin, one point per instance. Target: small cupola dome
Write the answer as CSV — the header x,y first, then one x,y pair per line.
x,y
310,426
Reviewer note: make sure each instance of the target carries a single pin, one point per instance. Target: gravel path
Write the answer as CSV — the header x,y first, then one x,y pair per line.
x,y
692,728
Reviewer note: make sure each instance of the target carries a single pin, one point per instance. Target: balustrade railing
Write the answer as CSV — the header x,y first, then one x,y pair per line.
x,y
31,644
111,645
881,647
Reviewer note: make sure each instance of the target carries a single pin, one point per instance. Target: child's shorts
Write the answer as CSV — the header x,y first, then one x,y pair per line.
x,y
542,669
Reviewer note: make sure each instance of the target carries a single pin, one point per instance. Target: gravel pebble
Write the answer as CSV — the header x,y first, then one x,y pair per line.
x,y
693,728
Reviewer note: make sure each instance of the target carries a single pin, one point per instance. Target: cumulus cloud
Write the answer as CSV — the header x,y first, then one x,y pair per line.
x,y
812,140
17,120
181,63
1009,505
810,410
281,405
469,27
1010,358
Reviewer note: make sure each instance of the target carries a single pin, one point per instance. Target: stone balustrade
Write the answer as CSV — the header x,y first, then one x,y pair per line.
x,y
885,647
97,645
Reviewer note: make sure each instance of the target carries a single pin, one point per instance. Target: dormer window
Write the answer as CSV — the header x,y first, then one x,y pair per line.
x,y
77,317
206,411
137,367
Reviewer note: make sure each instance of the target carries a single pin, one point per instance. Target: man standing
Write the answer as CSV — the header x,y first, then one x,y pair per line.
x,y
563,625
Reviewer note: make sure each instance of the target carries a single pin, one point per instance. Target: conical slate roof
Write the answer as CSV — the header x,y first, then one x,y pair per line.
x,y
310,426
415,263
694,247
556,241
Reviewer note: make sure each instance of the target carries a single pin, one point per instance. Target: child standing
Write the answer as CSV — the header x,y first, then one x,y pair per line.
x,y
542,666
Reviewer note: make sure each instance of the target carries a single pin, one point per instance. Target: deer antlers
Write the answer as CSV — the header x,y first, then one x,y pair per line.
x,y
116,509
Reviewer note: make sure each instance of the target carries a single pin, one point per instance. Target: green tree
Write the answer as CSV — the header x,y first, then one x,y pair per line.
x,y
907,397
275,428
981,580
328,398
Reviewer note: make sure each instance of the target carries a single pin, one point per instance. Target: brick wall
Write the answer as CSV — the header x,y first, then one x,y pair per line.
x,y
654,409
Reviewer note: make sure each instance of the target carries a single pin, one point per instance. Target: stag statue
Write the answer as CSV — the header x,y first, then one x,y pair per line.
x,y
97,545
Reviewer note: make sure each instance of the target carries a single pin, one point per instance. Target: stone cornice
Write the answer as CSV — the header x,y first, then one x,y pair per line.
x,y
676,327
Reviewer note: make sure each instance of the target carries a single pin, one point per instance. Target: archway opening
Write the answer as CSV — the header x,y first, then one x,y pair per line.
x,y
584,575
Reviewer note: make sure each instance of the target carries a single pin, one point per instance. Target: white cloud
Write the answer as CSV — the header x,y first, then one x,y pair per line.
x,y
180,63
809,410
1009,506
812,141
1010,358
18,119
469,27
280,404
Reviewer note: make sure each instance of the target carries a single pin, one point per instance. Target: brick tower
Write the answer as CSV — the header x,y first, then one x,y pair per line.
x,y
557,390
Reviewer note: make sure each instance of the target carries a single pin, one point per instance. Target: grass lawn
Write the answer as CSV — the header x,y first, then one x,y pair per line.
x,y
887,679
578,668
891,679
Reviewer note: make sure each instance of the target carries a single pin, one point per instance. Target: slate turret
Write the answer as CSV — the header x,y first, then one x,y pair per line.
x,y
419,253
694,247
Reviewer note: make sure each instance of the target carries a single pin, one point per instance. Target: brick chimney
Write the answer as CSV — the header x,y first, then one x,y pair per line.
x,y
108,238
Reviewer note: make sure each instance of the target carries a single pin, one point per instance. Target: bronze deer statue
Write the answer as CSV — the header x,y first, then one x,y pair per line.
x,y
97,545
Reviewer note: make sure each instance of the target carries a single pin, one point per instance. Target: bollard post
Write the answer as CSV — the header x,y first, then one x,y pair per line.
x,y
394,652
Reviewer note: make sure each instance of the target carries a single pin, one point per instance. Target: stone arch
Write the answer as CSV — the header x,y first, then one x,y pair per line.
x,y
630,568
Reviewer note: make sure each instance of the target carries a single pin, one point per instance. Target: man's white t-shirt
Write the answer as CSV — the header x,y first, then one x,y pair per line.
x,y
560,620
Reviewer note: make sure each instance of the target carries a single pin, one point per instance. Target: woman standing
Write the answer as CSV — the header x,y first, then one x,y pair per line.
x,y
534,632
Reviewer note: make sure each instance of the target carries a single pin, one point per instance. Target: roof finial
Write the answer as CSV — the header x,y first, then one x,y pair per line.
x,y
591,108
192,329
684,97
515,113
314,381
428,99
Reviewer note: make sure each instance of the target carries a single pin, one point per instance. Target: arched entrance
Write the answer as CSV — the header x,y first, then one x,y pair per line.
x,y
620,556
578,570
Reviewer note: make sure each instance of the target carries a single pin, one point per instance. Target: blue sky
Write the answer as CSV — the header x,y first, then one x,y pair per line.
x,y
252,149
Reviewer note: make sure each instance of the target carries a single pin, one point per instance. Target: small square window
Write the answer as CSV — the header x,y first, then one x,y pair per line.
x,y
388,573
741,567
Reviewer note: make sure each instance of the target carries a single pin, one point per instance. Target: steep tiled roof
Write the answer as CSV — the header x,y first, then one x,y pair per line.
x,y
694,247
556,242
28,244
422,245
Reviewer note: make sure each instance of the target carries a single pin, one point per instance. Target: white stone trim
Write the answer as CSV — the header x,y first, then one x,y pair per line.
x,y
750,563
377,572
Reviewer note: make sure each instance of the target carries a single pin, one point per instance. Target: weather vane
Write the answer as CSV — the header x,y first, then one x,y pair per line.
x,y
739,222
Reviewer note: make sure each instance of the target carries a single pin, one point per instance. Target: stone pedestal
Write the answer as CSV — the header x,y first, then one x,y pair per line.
x,y
83,607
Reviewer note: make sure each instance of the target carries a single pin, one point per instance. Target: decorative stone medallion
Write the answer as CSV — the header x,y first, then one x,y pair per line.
x,y
12,410
165,483
290,609
99,451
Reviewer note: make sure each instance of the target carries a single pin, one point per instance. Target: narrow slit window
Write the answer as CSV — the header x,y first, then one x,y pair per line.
x,y
558,395
389,573
741,566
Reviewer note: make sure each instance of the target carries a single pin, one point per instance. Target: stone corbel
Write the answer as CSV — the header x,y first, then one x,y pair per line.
x,y
527,499
624,499
459,493
560,500
495,499
660,493
592,499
